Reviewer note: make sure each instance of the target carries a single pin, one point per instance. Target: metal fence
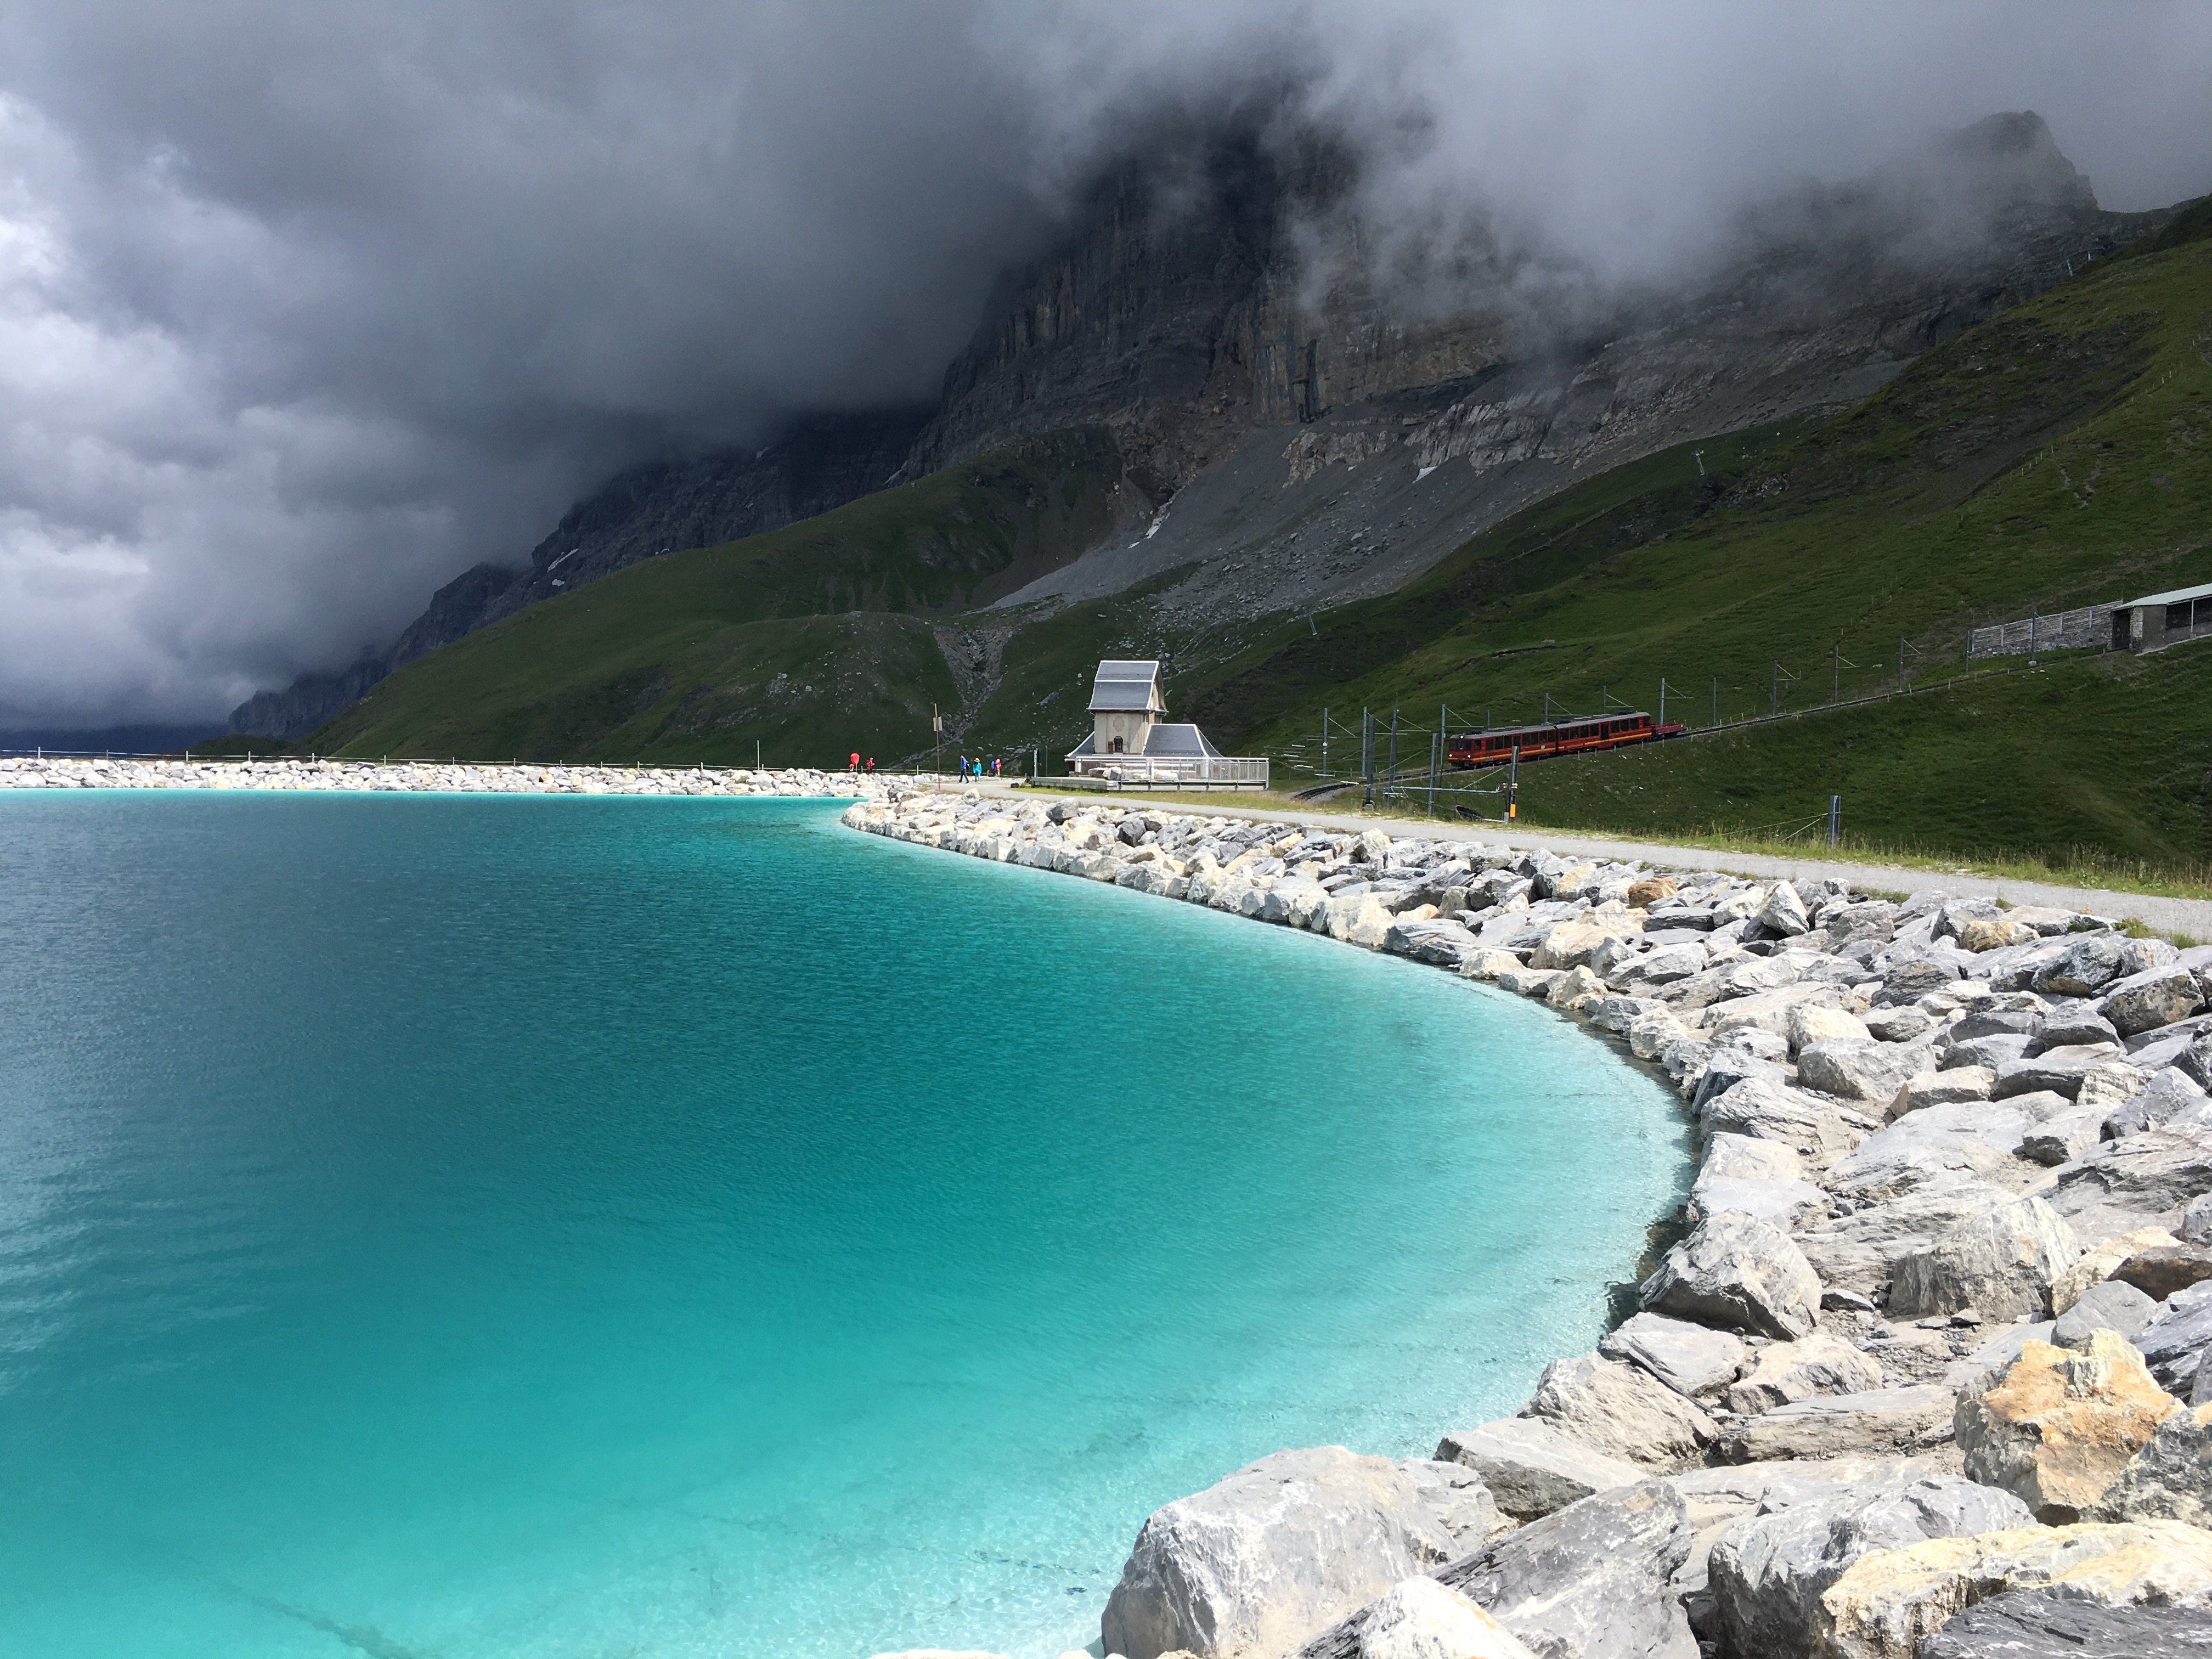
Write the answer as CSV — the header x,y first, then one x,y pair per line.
x,y
2089,628
1248,770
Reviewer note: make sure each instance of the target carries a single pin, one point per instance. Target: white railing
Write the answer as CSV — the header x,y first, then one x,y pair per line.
x,y
1248,769
2090,627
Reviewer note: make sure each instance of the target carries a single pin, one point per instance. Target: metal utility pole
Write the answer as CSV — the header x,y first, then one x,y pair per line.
x,y
1547,708
1390,789
1662,700
1513,786
1900,664
1774,691
936,740
1324,742
1367,756
1836,687
2030,636
1435,748
1604,699
1835,819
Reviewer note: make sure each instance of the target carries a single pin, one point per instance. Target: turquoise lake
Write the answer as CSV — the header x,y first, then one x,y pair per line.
x,y
450,1228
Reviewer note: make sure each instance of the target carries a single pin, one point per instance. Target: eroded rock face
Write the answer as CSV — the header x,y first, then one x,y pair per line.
x,y
1620,1411
1257,1564
1737,1271
2175,1343
2041,1624
1592,1580
2059,1425
1420,1618
1693,1360
2094,1266
1817,1364
1530,1469
1880,1422
1863,1069
1884,1605
2171,1478
2002,1264
1767,1572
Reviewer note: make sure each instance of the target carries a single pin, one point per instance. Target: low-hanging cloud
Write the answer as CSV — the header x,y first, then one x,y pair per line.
x,y
303,310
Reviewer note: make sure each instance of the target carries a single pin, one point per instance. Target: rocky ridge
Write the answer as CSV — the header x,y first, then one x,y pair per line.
x,y
1933,1339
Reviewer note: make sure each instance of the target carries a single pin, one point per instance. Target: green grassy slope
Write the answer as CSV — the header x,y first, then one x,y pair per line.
x,y
811,640
2055,456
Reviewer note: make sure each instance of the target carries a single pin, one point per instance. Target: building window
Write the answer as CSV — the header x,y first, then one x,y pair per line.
x,y
2203,611
2177,615
1114,747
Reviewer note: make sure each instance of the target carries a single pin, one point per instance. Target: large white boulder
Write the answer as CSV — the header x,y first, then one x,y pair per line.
x,y
1257,1564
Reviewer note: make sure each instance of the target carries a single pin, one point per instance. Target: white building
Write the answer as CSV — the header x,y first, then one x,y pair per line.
x,y
1130,739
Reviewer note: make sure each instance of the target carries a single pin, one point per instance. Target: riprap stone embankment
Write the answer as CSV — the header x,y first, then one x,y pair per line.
x,y
1929,1373
426,777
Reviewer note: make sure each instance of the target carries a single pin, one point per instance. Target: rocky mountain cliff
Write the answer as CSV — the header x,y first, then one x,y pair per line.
x,y
1325,426
819,462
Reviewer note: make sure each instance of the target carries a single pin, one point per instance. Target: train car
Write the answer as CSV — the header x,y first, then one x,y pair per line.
x,y
1558,738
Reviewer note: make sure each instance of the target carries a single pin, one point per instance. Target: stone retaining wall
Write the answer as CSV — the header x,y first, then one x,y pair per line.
x,y
1935,1335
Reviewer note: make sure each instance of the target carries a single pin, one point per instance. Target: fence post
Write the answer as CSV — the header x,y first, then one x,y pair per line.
x,y
1390,790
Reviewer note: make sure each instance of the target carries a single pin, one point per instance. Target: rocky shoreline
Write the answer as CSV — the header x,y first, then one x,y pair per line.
x,y
425,777
1924,1378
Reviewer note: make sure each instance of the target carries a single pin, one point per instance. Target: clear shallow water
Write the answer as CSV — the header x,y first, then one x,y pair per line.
x,y
569,1228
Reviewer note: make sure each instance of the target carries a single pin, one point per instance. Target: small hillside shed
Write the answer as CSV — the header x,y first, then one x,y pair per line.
x,y
1127,712
2161,619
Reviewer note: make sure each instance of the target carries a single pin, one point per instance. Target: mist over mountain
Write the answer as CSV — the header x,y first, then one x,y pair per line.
x,y
307,315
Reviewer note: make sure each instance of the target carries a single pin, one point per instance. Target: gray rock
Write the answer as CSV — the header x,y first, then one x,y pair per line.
x,y
1971,1140
2174,1343
1669,965
1863,1069
2196,1059
1905,1024
1910,979
2086,966
1419,1619
2169,1480
2059,1071
1880,1422
1591,1582
2168,1093
2058,1624
1993,1355
1620,1411
2063,1136
1763,1108
1769,1570
2075,1026
1692,1360
1783,913
1530,1469
2111,1306
1617,1014
2154,1172
1991,1051
1735,1270
2000,1264
1993,1021
1260,1562
1861,1250
1784,1372
2196,1221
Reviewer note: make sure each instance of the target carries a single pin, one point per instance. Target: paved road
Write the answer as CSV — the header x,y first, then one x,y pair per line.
x,y
2190,917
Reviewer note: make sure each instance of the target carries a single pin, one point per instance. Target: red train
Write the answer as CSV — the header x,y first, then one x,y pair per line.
x,y
1560,737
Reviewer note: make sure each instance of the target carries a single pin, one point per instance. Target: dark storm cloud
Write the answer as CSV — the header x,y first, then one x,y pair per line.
x,y
303,309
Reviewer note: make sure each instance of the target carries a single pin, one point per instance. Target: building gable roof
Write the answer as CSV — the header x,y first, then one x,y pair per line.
x,y
2176,597
1128,686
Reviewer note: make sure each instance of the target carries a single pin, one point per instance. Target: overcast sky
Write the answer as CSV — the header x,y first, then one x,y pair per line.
x,y
304,308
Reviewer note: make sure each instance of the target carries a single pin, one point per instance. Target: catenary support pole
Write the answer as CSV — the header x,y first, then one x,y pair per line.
x,y
1324,741
1390,791
1835,819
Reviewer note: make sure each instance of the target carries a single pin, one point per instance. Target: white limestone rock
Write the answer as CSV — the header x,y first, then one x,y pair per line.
x,y
1530,1469
1694,1361
1276,1552
1620,1411
2002,1264
1736,1271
